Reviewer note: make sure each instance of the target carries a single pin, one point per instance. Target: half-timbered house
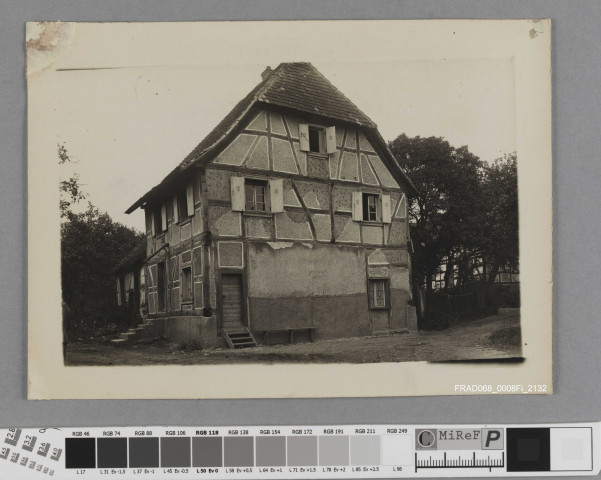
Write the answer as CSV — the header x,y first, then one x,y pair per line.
x,y
288,220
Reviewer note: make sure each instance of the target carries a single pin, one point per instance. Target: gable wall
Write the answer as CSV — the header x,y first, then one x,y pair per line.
x,y
314,231
309,263
317,189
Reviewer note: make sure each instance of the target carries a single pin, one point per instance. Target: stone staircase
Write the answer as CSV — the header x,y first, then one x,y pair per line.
x,y
150,329
241,338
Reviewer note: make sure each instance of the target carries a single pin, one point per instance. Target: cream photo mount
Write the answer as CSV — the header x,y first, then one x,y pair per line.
x,y
526,43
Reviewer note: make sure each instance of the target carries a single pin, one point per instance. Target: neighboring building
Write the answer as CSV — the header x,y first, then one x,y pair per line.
x,y
130,274
507,274
289,218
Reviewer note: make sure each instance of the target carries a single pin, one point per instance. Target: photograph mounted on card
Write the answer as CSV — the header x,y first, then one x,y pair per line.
x,y
221,221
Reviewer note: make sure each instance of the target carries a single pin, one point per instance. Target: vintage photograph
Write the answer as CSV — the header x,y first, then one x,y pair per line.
x,y
281,207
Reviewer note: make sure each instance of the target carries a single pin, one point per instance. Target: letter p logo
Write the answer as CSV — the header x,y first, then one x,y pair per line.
x,y
492,439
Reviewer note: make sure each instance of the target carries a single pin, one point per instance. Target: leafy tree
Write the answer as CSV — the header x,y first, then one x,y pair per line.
x,y
502,227
446,217
466,210
71,192
91,246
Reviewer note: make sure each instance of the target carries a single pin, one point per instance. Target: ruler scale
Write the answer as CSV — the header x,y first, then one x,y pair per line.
x,y
310,451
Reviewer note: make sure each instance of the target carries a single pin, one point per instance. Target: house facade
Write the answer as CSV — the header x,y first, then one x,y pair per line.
x,y
289,217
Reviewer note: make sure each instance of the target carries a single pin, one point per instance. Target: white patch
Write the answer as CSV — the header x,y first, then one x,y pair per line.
x,y
279,245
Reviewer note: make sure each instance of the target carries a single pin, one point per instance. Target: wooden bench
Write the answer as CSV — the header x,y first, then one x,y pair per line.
x,y
290,331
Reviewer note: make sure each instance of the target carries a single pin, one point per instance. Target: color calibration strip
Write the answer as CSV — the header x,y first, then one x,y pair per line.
x,y
344,451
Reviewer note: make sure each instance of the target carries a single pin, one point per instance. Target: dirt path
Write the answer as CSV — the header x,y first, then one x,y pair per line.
x,y
468,341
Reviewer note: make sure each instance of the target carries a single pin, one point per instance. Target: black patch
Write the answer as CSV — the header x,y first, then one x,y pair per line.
x,y
528,450
80,453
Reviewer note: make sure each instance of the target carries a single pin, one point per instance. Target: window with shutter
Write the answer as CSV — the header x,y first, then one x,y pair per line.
x,y
379,294
190,200
255,195
317,139
371,207
157,218
185,204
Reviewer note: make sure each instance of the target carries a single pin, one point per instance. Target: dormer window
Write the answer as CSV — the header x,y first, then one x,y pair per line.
x,y
317,136
317,139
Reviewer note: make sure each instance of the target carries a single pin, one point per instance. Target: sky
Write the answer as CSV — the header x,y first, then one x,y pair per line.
x,y
130,101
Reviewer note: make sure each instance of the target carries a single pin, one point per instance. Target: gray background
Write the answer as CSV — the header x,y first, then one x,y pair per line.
x,y
576,178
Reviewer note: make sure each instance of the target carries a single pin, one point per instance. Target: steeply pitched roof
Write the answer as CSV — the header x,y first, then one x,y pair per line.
x,y
298,86
134,256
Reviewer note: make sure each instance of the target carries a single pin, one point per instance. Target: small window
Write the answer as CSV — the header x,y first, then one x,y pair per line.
x,y
182,205
371,209
158,220
186,283
379,294
256,195
317,138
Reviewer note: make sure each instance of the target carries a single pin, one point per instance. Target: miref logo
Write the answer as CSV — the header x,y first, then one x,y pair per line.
x,y
459,439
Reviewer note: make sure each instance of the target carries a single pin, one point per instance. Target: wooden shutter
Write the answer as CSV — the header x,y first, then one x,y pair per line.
x,y
190,199
387,293
402,212
303,135
331,139
118,292
175,212
152,226
164,217
276,192
386,212
357,206
238,200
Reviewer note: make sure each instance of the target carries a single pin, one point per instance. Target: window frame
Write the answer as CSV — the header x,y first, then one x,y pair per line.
x,y
257,182
187,293
182,206
365,196
371,293
157,219
321,138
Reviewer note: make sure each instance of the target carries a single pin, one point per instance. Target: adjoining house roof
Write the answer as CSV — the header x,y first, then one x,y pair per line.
x,y
297,86
134,256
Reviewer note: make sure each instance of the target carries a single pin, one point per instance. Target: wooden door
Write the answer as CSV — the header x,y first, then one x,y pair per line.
x,y
232,302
